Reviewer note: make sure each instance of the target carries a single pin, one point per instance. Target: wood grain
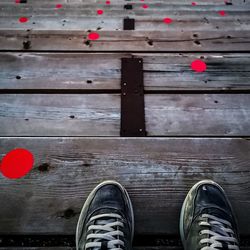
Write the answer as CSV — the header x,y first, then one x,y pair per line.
x,y
205,115
64,115
119,2
182,21
59,40
185,17
67,169
163,71
99,114
74,137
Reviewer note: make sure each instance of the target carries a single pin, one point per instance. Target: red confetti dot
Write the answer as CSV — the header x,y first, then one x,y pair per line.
x,y
17,1
222,12
142,0
193,3
58,6
93,36
198,66
23,19
107,2
145,6
17,163
99,12
167,20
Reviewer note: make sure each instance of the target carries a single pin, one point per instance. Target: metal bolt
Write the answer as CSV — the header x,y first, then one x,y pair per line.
x,y
124,83
124,93
140,129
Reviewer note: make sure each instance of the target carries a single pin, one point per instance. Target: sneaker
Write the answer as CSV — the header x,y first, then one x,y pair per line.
x,y
207,221
106,220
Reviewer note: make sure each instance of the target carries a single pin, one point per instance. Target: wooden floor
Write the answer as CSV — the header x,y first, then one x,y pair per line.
x,y
60,98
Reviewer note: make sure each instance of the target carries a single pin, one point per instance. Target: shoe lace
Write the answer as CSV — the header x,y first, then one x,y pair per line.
x,y
104,232
220,234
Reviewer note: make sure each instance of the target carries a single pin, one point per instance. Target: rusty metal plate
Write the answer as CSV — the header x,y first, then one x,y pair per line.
x,y
128,24
132,98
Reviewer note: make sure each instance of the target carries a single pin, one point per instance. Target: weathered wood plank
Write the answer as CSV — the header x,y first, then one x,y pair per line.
x,y
101,2
66,170
118,9
152,20
125,40
198,114
119,5
163,71
61,71
67,242
99,114
185,17
43,115
181,22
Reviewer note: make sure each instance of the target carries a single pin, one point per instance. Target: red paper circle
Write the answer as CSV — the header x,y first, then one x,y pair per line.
x,y
167,20
198,66
17,163
99,12
23,19
58,6
93,36
222,12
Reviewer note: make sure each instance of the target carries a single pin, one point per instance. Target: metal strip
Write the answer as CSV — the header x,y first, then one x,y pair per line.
x,y
128,24
132,98
128,6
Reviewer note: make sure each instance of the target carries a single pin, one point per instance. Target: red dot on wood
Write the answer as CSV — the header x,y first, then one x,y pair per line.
x,y
222,13
144,6
107,2
99,12
58,6
23,19
167,20
93,36
17,163
194,3
198,66
17,1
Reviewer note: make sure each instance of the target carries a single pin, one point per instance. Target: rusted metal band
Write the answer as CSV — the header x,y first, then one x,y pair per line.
x,y
128,24
132,98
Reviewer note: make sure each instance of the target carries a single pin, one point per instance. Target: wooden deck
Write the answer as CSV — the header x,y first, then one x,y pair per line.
x,y
60,98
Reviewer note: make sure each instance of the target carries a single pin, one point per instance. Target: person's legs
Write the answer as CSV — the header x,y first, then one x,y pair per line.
x,y
207,221
106,220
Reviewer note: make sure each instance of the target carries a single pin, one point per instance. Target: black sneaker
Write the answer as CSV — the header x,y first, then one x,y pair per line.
x,y
207,221
106,220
